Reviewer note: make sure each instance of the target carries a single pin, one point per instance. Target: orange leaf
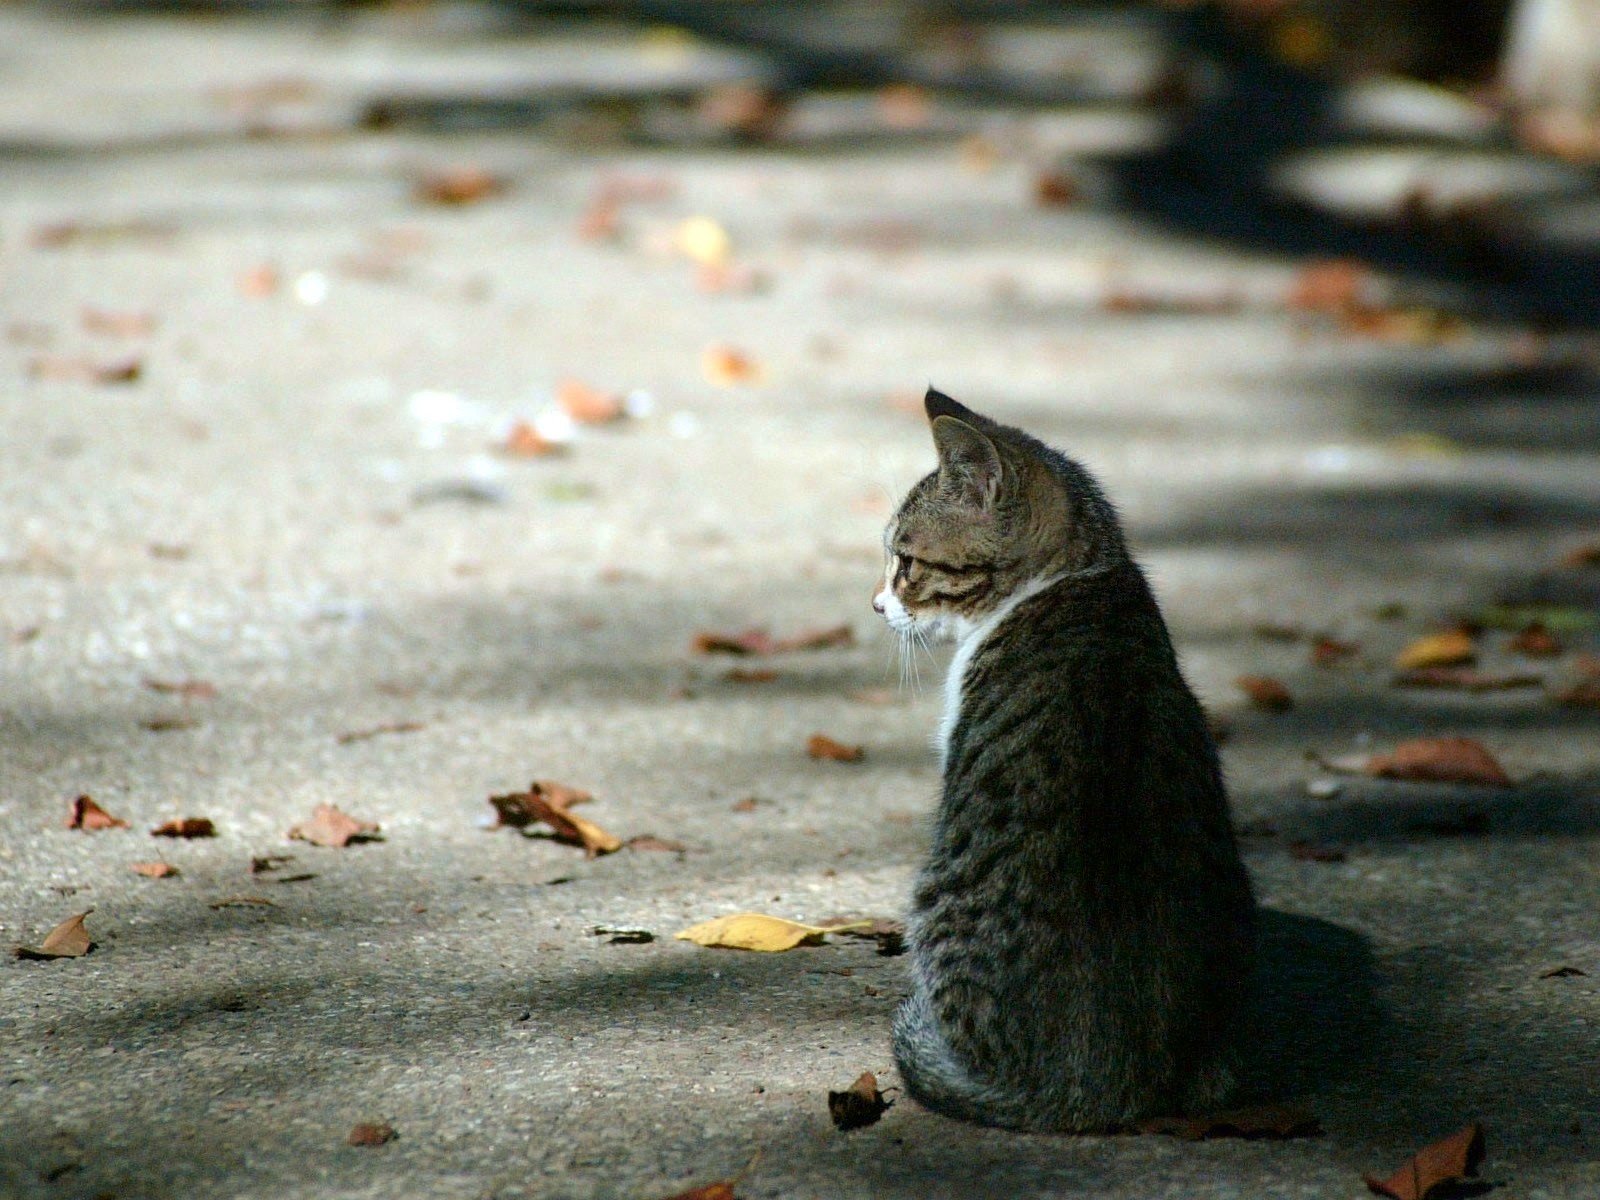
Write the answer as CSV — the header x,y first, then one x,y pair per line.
x,y
859,1105
67,940
726,367
1436,1166
1329,286
1056,190
186,827
524,441
820,745
1265,693
330,826
89,816
1452,648
587,405
1440,760
458,185
155,870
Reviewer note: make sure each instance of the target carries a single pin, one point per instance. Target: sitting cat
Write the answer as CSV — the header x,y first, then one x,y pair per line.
x,y
1083,929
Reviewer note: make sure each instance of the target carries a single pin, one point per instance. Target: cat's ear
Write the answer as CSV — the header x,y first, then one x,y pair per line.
x,y
939,405
969,463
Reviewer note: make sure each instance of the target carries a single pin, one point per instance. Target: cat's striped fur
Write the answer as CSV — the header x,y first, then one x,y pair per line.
x,y
1082,931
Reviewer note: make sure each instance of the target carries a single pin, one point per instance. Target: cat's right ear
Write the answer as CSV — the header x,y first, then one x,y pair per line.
x,y
969,463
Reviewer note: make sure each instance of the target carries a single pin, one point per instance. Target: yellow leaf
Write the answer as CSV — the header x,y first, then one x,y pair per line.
x,y
1450,649
752,931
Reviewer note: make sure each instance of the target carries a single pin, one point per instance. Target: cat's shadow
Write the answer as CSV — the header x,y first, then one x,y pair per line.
x,y
1314,1012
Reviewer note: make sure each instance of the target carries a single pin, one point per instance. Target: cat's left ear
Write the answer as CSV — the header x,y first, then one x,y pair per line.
x,y
969,463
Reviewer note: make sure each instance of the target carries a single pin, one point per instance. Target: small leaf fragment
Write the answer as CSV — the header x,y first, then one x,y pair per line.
x,y
522,440
455,186
1561,972
623,937
821,746
859,1105
331,826
67,940
185,827
1275,1121
1434,1167
1450,649
1440,760
724,366
548,802
752,931
155,870
375,1133
588,405
758,642
90,817
1265,693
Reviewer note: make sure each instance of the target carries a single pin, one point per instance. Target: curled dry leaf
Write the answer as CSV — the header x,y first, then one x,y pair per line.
x,y
67,940
456,186
375,1133
724,366
60,369
753,931
623,937
587,405
1265,693
155,870
1536,642
859,1105
185,827
331,826
760,642
1440,760
821,746
1275,1121
1561,973
1453,648
89,816
1434,1167
548,802
1465,679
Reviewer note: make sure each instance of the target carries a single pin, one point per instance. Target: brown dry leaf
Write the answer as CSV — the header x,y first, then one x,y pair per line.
x,y
362,735
67,940
748,804
821,746
168,724
721,1190
649,841
330,826
1275,1121
185,827
522,440
1329,286
587,405
1536,642
1464,679
1433,1167
1562,973
1265,693
1328,652
259,280
1440,760
1453,648
724,366
1582,556
58,368
743,110
859,1105
188,689
375,1133
458,185
89,816
1053,189
752,931
1585,694
269,862
760,642
155,870
750,675
549,802
117,324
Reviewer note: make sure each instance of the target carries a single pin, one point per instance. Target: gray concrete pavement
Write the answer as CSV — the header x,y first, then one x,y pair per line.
x,y
254,512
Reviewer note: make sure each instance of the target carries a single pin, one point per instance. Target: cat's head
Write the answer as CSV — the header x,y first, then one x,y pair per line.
x,y
1000,511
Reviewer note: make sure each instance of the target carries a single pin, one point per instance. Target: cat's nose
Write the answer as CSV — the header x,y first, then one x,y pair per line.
x,y
877,604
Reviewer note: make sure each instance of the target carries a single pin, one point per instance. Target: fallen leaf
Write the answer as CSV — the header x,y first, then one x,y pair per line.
x,y
189,689
1266,1121
724,366
67,940
1450,649
750,675
623,937
155,870
1585,694
1465,679
1055,189
1561,973
587,405
548,802
168,724
821,746
1327,652
243,902
118,324
1329,286
1316,852
89,816
57,368
1443,1163
454,186
1536,642
185,827
760,642
743,110
361,735
1582,556
269,862
522,440
375,1133
649,841
748,804
859,1105
1440,760
330,826
752,931
1265,693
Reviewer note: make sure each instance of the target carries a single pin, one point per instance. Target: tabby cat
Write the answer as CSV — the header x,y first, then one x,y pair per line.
x,y
1082,931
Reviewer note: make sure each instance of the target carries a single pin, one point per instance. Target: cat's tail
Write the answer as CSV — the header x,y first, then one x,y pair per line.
x,y
936,1080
